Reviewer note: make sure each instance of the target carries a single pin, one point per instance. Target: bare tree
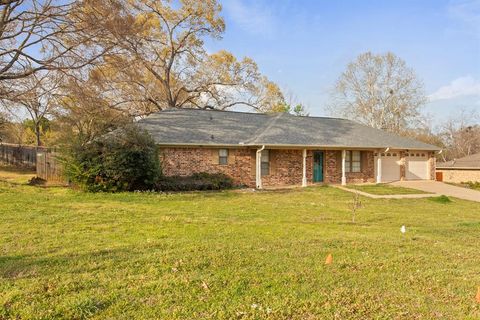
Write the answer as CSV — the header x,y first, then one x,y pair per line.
x,y
38,35
461,135
379,91
355,205
34,98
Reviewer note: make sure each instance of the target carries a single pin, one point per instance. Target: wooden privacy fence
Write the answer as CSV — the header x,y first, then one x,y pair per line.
x,y
18,155
48,166
43,160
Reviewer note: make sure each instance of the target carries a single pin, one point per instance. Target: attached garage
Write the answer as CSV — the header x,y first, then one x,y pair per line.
x,y
390,166
416,166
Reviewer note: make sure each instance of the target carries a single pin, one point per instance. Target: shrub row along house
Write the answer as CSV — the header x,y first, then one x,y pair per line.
x,y
270,150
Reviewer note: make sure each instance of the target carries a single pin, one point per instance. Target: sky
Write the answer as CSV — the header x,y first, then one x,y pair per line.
x,y
304,45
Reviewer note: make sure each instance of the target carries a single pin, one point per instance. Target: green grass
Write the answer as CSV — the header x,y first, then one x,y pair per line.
x,y
234,255
441,199
384,189
16,175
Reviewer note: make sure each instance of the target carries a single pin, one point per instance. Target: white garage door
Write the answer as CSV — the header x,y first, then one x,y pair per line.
x,y
417,166
390,166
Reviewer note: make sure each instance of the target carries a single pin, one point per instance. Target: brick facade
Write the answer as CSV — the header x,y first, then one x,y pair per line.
x,y
286,168
333,168
403,165
186,161
432,164
285,165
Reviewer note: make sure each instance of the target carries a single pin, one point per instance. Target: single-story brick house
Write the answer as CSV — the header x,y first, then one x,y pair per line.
x,y
270,150
460,170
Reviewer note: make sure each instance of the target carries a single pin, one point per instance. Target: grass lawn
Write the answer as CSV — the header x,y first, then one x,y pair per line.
x,y
15,175
234,255
384,189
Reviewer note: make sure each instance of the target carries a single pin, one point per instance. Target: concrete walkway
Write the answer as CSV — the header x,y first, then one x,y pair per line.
x,y
440,188
389,196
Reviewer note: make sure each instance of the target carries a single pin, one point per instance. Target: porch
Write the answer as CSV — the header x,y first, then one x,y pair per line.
x,y
302,167
282,167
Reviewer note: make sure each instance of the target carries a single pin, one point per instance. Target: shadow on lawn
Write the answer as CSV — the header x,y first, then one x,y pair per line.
x,y
30,266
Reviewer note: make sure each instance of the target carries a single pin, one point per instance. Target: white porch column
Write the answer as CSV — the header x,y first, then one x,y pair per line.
x,y
379,167
344,178
258,168
304,177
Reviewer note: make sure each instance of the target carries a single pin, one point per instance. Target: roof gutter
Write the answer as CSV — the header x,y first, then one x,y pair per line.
x,y
457,168
293,146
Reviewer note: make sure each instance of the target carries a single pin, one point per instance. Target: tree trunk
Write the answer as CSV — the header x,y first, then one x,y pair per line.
x,y
37,134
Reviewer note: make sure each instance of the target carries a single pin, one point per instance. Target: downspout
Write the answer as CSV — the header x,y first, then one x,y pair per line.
x,y
258,173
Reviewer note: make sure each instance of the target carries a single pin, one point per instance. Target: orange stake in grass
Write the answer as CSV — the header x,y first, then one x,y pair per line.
x,y
477,297
329,259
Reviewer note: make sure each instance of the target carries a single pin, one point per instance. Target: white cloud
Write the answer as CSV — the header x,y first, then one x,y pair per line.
x,y
463,86
252,17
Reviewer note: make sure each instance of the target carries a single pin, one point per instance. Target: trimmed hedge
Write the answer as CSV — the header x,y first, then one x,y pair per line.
x,y
197,181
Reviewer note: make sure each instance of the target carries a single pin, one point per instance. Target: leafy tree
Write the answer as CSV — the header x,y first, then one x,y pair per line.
x,y
85,116
297,110
379,91
124,160
159,59
4,122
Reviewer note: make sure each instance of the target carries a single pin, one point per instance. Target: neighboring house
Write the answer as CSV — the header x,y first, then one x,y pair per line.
x,y
269,150
460,170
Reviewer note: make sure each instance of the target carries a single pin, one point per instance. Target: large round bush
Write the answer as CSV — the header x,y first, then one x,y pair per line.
x,y
124,160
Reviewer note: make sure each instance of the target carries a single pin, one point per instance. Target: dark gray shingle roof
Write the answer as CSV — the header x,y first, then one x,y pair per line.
x,y
228,128
471,162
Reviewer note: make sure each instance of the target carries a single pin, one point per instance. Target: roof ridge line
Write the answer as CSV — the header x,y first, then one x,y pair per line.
x,y
262,131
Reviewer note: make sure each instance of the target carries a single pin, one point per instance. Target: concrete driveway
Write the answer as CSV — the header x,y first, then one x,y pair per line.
x,y
441,188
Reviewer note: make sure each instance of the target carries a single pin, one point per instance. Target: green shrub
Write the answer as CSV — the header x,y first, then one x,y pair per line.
x,y
124,160
472,185
197,181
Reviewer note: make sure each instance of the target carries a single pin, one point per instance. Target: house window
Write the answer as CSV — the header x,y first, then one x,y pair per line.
x,y
265,163
223,156
353,161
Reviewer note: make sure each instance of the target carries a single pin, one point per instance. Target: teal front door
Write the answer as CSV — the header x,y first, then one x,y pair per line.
x,y
318,166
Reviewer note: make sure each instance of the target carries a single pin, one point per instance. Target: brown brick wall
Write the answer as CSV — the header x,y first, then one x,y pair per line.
x,y
286,168
333,168
186,161
285,165
403,167
432,165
